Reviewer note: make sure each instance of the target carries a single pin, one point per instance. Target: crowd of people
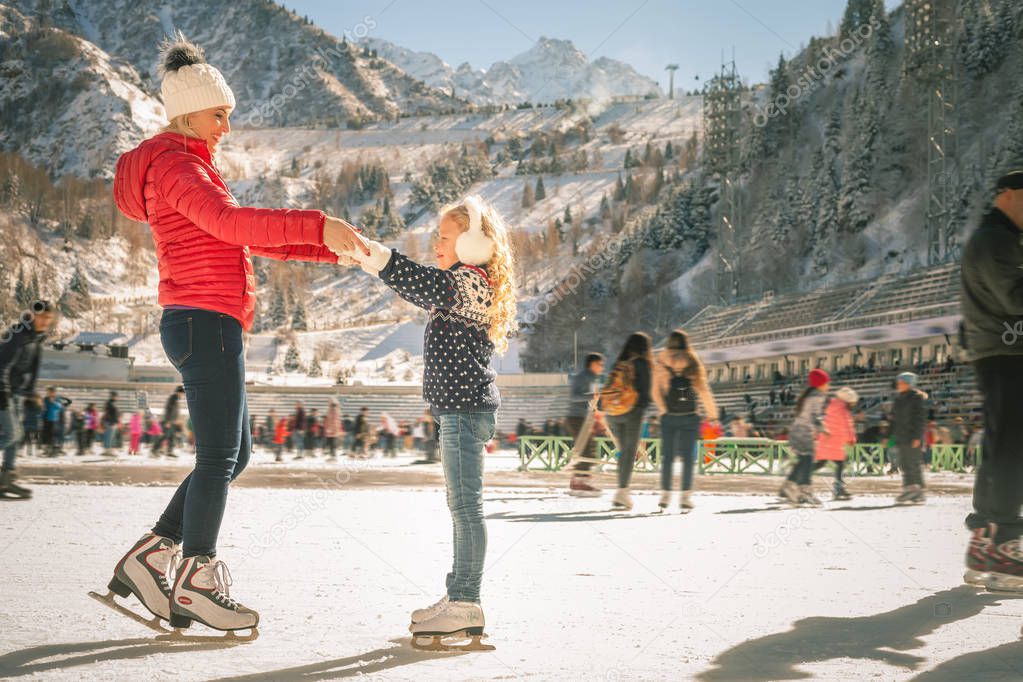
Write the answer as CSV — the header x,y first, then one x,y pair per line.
x,y
306,433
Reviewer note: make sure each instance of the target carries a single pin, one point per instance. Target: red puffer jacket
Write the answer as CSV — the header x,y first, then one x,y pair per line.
x,y
204,239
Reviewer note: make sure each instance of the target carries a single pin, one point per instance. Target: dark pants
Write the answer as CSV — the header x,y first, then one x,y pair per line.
x,y
911,464
839,467
48,428
626,429
998,489
206,347
802,470
678,438
332,445
574,425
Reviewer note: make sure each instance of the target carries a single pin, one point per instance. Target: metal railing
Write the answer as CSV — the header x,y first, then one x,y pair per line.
x,y
757,456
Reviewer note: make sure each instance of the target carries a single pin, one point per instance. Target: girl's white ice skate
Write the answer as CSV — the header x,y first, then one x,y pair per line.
x,y
419,615
457,621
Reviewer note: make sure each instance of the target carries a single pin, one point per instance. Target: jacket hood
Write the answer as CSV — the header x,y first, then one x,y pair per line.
x,y
132,167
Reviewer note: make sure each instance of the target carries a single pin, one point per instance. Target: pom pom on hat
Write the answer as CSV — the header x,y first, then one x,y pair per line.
x,y
189,83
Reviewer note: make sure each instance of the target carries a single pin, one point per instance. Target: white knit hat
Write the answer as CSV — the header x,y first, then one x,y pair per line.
x,y
189,83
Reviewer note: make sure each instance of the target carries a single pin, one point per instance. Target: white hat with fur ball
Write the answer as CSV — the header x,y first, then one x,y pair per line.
x,y
189,83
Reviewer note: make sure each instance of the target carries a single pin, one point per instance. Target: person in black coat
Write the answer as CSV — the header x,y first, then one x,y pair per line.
x,y
992,333
20,354
909,414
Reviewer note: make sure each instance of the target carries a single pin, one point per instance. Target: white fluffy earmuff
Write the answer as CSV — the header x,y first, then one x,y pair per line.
x,y
474,247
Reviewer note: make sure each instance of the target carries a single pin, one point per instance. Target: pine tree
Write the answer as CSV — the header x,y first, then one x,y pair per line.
x,y
298,321
527,195
854,213
292,360
568,216
619,190
669,152
605,207
539,194
880,48
315,370
277,313
21,290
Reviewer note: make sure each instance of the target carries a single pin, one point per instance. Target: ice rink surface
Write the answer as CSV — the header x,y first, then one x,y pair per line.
x,y
738,590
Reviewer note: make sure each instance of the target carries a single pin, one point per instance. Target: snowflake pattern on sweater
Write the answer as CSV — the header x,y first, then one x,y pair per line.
x,y
457,376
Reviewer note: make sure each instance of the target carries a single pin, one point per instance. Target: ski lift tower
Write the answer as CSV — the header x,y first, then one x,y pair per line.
x,y
671,69
930,58
722,126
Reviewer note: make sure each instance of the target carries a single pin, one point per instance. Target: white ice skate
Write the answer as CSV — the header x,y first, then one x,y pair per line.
x,y
687,501
143,572
201,593
457,621
664,502
580,486
622,500
419,615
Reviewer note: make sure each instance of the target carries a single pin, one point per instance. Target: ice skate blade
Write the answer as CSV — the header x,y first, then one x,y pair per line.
x,y
153,623
229,636
437,643
584,493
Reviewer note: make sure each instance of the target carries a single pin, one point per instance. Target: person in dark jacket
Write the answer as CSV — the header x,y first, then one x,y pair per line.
x,y
171,421
638,352
584,387
909,414
20,352
111,421
992,333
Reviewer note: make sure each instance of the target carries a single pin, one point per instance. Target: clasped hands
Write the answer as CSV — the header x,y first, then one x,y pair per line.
x,y
345,240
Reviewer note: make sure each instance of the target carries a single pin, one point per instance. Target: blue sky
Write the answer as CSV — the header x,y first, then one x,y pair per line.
x,y
648,34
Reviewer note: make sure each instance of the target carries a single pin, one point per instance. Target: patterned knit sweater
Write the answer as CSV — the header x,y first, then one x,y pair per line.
x,y
457,376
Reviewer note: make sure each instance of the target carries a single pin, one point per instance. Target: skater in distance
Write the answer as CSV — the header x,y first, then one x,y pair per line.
x,y
20,351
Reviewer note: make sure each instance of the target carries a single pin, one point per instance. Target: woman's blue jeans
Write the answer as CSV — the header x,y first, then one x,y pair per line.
x,y
463,437
678,439
206,347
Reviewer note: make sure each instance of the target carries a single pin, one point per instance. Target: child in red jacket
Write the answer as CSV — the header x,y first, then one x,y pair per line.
x,y
838,433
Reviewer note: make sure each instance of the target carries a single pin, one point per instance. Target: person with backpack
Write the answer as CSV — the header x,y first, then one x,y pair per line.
x,y
839,431
807,425
625,397
679,382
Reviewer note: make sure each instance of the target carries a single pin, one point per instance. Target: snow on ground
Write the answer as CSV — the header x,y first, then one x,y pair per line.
x,y
736,590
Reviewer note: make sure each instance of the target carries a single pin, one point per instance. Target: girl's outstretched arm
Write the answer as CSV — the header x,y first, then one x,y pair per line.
x,y
465,290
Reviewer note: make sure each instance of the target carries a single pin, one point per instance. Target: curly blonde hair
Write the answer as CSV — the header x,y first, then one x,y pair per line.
x,y
500,268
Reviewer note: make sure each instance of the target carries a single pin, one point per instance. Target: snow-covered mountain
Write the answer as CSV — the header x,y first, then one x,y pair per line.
x,y
550,70
67,105
283,69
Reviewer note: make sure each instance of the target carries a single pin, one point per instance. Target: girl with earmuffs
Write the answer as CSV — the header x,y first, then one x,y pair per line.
x,y
470,294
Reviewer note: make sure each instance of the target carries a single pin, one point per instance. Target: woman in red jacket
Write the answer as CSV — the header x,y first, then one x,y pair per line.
x,y
204,241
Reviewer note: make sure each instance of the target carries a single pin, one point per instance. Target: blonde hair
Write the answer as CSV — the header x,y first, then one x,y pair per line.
x,y
500,269
179,124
